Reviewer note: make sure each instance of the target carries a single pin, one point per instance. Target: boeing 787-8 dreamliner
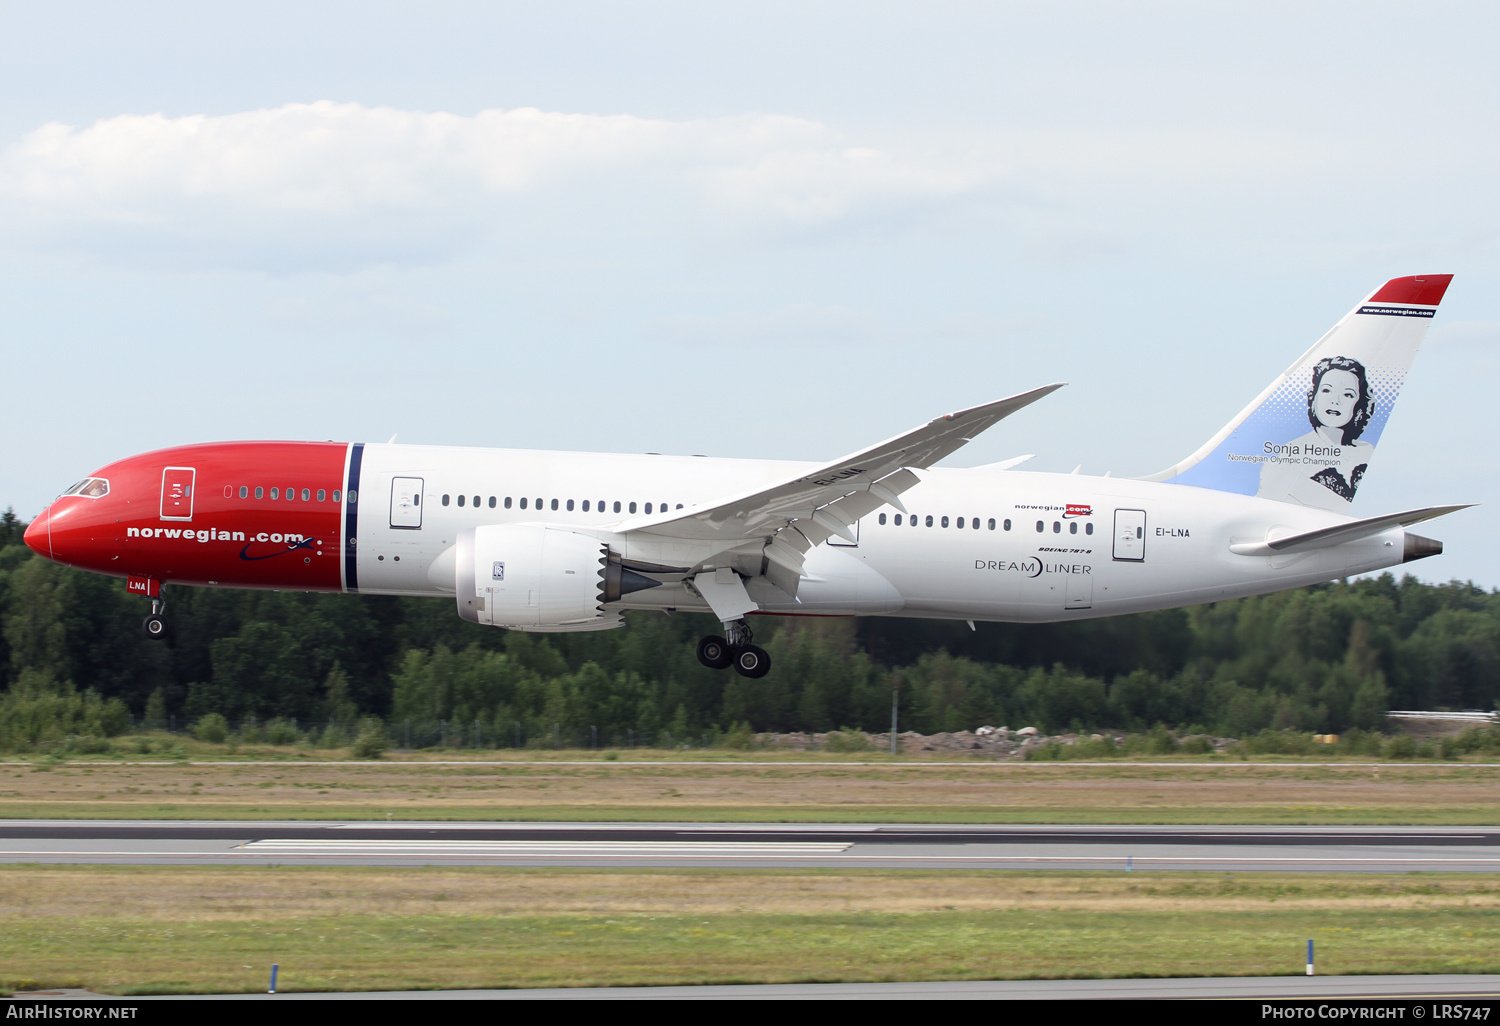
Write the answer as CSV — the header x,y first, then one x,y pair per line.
x,y
566,541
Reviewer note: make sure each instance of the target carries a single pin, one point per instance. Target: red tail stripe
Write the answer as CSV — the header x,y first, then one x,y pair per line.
x,y
1416,289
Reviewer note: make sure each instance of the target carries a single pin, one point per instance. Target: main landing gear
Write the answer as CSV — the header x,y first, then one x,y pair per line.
x,y
155,625
734,649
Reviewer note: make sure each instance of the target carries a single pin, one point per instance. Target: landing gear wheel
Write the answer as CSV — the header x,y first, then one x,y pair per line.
x,y
714,653
155,626
752,661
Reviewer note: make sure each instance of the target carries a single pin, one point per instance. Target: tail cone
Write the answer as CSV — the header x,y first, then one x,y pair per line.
x,y
1418,547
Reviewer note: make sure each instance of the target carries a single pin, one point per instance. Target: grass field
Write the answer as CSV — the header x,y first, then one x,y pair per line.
x,y
133,930
760,789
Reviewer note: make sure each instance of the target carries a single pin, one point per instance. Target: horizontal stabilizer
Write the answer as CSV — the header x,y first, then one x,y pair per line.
x,y
1327,537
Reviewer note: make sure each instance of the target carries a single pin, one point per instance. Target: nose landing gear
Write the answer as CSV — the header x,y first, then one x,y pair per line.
x,y
735,649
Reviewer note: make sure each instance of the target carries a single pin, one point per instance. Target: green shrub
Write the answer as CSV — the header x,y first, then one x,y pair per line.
x,y
333,736
1198,745
739,737
1282,742
1359,742
1400,747
1161,741
846,740
1475,740
211,729
280,731
40,713
372,740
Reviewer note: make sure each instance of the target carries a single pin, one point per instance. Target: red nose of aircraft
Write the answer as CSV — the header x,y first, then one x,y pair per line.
x,y
37,537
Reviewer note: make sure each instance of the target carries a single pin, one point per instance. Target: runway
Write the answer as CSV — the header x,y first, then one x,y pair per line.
x,y
698,845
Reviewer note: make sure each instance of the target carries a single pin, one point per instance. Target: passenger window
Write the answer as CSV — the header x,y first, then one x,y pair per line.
x,y
291,495
1088,528
679,505
929,520
507,502
1073,527
523,502
897,520
975,522
1057,527
1007,525
492,502
648,508
539,504
461,499
260,493
617,505
322,495
945,521
337,495
353,498
632,507
445,500
275,493
244,492
1039,527
554,503
882,519
585,505
307,495
476,502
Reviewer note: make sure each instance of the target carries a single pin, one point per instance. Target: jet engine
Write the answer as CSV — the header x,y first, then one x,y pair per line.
x,y
533,575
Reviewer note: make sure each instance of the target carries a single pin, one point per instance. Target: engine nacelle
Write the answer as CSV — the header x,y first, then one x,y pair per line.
x,y
530,575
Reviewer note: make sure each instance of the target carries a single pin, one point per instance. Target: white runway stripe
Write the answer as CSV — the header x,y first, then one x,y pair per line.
x,y
669,849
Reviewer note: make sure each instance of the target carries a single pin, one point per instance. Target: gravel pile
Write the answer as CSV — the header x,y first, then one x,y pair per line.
x,y
994,742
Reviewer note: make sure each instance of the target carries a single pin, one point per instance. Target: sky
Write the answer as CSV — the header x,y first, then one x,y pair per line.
x,y
781,230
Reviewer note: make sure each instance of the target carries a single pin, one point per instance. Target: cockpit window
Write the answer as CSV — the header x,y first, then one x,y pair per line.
x,y
90,488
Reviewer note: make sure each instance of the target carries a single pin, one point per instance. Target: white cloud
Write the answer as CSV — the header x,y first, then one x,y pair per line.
x,y
405,179
339,185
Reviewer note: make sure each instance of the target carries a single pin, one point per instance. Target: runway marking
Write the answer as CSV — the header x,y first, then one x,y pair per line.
x,y
679,849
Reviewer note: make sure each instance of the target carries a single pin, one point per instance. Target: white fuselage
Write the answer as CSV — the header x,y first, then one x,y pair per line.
x,y
1076,546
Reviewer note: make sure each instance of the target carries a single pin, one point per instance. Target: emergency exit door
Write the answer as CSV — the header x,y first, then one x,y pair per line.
x,y
406,503
1130,534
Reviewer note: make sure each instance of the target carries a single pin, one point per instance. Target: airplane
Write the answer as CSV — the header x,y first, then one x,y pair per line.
x,y
567,541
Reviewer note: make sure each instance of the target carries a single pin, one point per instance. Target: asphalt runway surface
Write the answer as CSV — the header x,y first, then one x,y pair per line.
x,y
792,846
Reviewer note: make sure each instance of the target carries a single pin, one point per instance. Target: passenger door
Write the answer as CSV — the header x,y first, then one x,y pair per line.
x,y
177,493
406,503
1130,535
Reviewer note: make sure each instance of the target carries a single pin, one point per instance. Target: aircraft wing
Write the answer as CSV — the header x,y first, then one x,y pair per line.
x,y
792,516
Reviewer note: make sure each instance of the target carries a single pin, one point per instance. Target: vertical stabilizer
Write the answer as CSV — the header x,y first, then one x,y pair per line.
x,y
1310,437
